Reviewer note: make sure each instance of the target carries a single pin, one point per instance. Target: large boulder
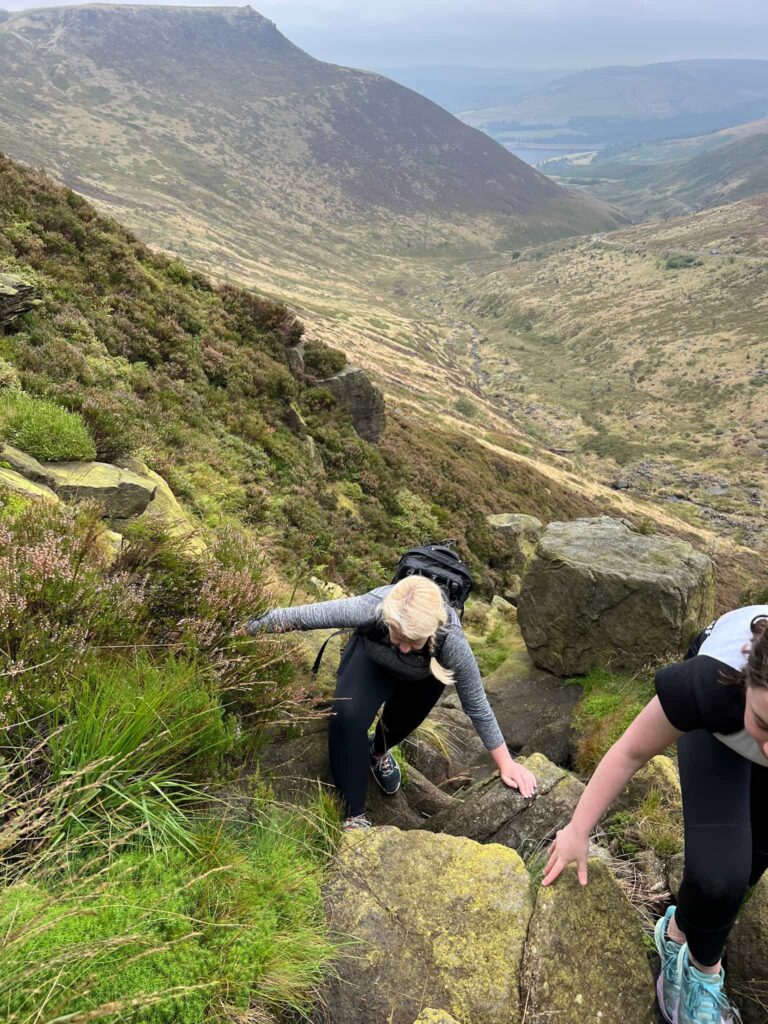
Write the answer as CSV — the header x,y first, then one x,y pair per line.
x,y
598,593
748,957
441,922
17,296
454,756
121,492
518,535
585,959
490,812
358,395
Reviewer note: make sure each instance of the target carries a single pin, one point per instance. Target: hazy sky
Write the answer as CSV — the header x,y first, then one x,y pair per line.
x,y
514,33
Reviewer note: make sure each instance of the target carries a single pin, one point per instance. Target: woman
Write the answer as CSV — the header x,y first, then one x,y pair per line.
x,y
715,705
407,647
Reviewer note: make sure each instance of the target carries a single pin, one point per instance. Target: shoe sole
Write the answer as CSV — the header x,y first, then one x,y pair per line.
x,y
386,792
660,997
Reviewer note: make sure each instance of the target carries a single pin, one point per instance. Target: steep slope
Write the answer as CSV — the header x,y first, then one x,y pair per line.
x,y
655,101
674,178
211,114
643,352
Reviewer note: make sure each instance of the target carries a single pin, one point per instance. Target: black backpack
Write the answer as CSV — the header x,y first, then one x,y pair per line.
x,y
441,564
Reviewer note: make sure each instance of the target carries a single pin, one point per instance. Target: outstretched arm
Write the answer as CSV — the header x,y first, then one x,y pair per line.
x,y
649,734
347,612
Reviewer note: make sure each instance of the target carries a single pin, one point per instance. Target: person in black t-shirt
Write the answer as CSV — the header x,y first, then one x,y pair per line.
x,y
714,704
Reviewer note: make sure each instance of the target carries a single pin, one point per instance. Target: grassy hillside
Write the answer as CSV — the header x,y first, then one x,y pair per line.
x,y
644,353
633,104
676,176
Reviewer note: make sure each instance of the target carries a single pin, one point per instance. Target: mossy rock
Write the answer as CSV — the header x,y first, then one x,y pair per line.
x,y
439,920
165,508
122,492
430,1016
598,593
747,974
21,485
585,958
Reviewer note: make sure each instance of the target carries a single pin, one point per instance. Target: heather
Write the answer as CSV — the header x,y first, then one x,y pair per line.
x,y
160,361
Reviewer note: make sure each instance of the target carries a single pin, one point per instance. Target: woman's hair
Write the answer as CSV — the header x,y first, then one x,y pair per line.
x,y
416,609
755,672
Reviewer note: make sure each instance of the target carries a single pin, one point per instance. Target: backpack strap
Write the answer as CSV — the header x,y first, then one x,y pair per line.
x,y
316,667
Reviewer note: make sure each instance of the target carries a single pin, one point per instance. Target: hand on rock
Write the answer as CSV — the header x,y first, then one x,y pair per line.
x,y
517,776
569,846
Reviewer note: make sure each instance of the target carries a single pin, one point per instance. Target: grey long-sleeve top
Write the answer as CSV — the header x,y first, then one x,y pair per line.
x,y
362,612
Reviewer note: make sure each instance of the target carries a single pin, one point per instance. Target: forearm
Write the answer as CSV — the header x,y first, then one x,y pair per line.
x,y
345,613
610,777
502,758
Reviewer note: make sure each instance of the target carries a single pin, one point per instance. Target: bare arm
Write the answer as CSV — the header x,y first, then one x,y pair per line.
x,y
649,734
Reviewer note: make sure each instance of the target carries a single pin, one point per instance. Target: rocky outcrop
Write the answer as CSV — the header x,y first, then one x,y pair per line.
x,y
121,492
358,396
519,535
490,812
441,922
165,508
596,593
585,958
16,482
17,297
747,973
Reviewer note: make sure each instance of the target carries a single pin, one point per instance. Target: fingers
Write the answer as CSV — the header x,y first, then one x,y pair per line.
x,y
582,871
553,871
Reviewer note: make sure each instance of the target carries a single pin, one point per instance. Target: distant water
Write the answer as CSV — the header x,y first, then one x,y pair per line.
x,y
533,155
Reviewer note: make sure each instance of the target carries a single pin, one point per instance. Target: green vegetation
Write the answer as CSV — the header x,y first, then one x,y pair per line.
x,y
609,702
43,429
681,262
655,825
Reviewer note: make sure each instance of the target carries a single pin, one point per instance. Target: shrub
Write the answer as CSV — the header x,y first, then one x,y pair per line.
x,y
9,377
322,361
609,702
681,262
44,429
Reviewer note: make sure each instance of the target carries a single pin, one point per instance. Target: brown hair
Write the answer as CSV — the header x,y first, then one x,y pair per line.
x,y
755,672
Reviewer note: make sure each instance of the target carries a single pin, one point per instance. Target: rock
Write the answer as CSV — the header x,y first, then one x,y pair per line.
x,y
122,493
504,607
355,392
747,973
518,535
675,873
596,593
295,356
430,1016
462,760
585,959
490,812
297,768
26,465
295,420
423,796
314,456
17,297
16,482
660,774
534,709
442,922
165,507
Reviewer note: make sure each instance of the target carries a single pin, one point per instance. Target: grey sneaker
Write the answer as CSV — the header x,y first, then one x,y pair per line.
x,y
668,984
358,821
702,997
386,771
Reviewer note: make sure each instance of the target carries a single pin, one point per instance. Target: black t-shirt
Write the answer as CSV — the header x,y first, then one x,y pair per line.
x,y
702,693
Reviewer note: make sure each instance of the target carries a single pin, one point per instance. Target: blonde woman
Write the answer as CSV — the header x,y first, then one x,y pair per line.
x,y
408,645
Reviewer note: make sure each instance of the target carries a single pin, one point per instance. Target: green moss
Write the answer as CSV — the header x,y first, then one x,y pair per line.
x,y
610,701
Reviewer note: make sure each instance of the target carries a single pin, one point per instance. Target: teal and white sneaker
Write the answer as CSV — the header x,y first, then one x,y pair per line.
x,y
668,984
702,996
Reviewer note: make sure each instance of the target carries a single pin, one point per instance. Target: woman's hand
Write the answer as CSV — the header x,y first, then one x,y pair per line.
x,y
517,776
569,845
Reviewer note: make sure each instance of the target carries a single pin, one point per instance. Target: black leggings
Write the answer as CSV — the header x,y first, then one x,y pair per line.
x,y
725,805
362,687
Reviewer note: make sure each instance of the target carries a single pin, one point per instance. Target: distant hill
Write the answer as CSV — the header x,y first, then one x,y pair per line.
x,y
456,87
208,131
634,104
677,176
